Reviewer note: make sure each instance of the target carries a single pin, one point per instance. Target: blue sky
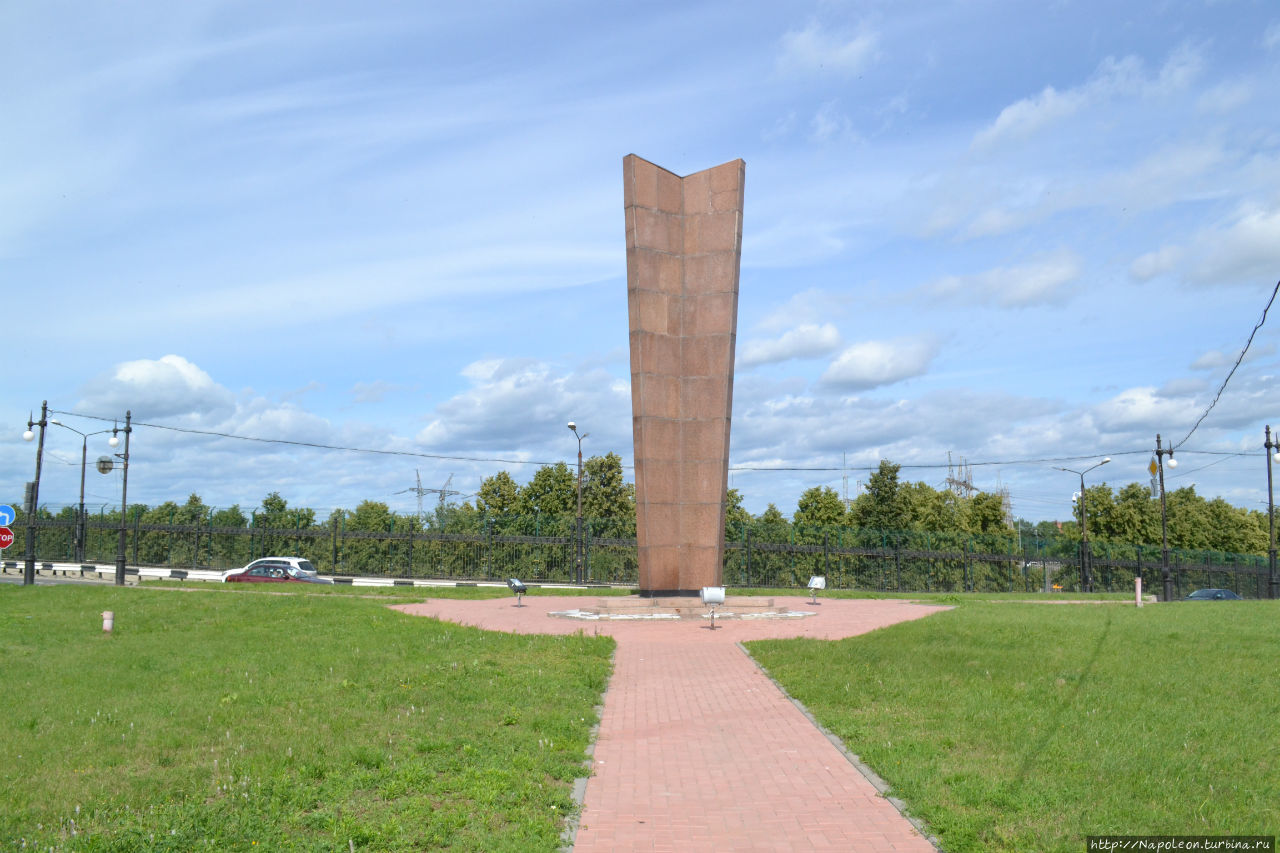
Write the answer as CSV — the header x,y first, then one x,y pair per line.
x,y
1003,230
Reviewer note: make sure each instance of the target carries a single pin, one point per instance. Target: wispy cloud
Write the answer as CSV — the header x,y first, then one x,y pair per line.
x,y
1245,249
809,341
1113,78
817,49
870,364
1041,282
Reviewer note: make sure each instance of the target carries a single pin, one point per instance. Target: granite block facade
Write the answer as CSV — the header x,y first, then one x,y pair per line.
x,y
684,249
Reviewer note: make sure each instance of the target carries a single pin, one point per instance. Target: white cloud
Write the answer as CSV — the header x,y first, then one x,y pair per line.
x,y
1143,407
1246,250
1271,38
808,341
1159,262
1225,97
830,125
1242,250
1025,117
815,49
809,307
1114,78
1219,360
169,386
870,364
524,404
994,203
372,392
1041,282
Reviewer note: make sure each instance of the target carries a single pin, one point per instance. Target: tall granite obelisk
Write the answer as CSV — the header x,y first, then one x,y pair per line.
x,y
684,249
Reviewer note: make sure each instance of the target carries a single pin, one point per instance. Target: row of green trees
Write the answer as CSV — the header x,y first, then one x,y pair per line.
x,y
1132,516
889,512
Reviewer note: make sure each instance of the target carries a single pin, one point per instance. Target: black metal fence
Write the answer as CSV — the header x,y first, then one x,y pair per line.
x,y
755,556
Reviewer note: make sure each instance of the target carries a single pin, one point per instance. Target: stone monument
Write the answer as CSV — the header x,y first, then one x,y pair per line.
x,y
684,247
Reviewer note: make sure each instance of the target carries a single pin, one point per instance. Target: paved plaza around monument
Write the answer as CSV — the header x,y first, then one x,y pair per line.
x,y
698,749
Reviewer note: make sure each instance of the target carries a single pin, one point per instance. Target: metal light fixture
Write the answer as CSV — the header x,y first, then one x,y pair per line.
x,y
518,587
1086,558
816,583
578,550
711,597
84,458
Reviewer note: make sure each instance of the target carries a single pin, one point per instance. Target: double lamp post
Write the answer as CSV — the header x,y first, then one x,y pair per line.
x,y
1086,557
32,498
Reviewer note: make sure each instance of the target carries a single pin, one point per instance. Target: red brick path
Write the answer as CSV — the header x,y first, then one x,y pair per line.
x,y
699,750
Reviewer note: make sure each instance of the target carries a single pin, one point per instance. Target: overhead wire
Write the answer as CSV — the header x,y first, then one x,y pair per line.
x,y
508,461
1231,373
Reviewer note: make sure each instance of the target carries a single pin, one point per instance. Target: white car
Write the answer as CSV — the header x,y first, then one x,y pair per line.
x,y
275,570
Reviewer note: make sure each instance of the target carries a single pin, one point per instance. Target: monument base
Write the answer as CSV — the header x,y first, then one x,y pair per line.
x,y
668,607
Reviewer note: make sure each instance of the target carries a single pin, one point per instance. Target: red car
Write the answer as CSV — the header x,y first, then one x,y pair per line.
x,y
275,570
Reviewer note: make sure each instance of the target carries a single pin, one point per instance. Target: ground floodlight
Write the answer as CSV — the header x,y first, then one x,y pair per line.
x,y
711,596
518,587
816,583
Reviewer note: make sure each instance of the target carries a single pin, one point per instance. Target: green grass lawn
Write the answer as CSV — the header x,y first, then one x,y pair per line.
x,y
230,721
1027,727
942,597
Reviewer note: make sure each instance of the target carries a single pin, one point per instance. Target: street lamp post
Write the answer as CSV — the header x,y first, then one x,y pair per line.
x,y
84,458
124,491
1273,582
1086,558
574,428
1166,574
29,568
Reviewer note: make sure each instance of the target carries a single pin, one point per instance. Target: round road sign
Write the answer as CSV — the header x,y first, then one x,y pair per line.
x,y
105,464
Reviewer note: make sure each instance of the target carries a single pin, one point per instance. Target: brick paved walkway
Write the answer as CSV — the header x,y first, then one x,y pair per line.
x,y
699,750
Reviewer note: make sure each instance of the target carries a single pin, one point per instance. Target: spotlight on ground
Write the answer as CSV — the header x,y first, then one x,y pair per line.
x,y
711,596
816,583
518,587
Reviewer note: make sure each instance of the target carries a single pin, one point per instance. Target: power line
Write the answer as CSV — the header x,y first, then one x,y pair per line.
x,y
314,445
941,465
763,469
1223,387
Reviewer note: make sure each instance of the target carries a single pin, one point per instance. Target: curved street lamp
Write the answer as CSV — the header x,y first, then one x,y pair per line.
x,y
574,428
84,458
1086,558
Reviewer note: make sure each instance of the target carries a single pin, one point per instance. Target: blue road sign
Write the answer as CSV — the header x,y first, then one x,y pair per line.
x,y
6,515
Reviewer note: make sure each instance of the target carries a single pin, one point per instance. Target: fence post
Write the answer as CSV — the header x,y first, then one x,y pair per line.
x,y
410,560
826,552
968,587
391,545
488,546
334,539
